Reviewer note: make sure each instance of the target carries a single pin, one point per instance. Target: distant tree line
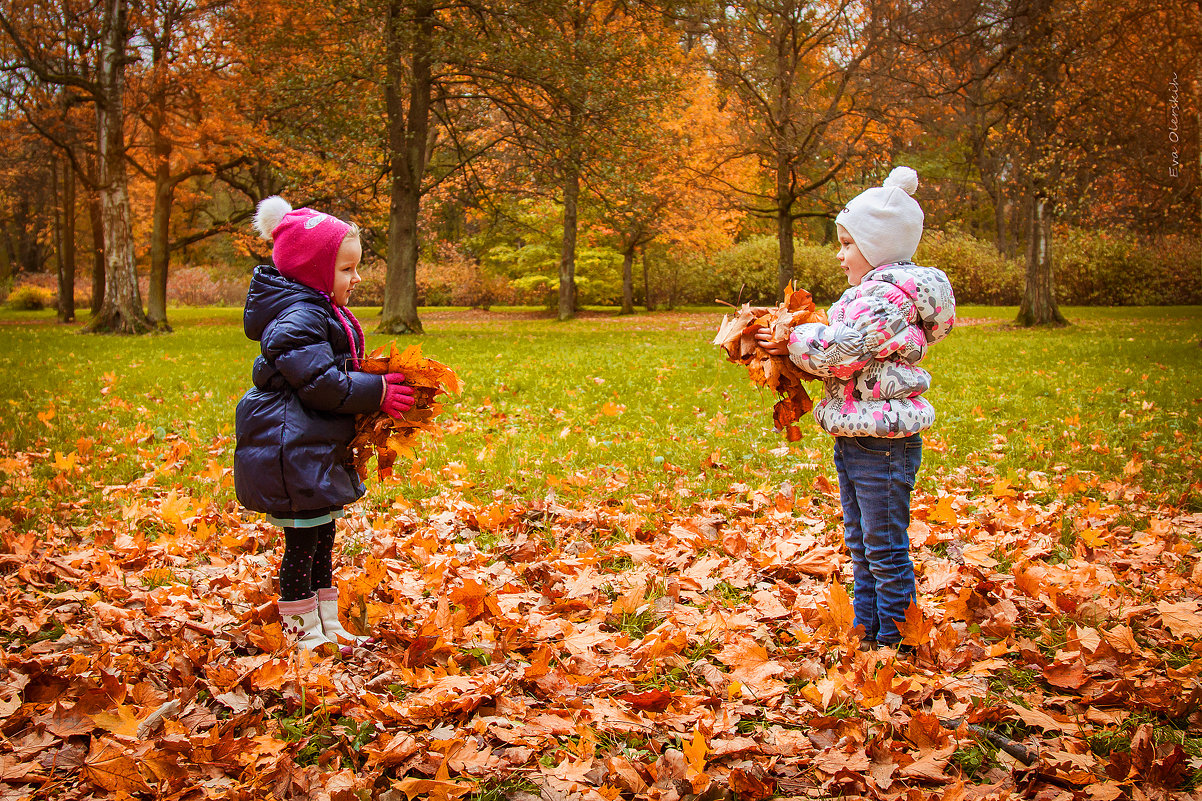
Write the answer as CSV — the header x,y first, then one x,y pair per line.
x,y
538,139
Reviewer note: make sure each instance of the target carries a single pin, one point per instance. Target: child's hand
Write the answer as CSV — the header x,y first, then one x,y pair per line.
x,y
398,396
771,346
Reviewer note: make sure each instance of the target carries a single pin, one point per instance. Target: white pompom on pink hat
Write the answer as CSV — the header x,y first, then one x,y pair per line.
x,y
886,221
305,242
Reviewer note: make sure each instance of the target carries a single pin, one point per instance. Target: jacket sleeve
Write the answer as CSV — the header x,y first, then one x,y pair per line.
x,y
874,325
297,342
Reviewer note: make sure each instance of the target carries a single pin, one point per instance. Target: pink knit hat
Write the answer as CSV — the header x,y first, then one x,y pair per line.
x,y
305,242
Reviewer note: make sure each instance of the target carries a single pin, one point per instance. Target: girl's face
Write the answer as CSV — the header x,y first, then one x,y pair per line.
x,y
850,258
346,270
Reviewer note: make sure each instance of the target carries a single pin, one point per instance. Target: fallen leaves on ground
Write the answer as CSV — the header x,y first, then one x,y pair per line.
x,y
736,337
387,438
535,647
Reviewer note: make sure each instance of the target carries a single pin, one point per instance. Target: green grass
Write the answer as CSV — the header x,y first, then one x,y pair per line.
x,y
1118,387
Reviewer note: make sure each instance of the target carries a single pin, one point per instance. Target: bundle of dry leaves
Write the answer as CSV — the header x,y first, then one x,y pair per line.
x,y
390,438
736,336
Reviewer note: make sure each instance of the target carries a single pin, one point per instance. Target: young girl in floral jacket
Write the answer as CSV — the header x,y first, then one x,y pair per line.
x,y
868,358
295,426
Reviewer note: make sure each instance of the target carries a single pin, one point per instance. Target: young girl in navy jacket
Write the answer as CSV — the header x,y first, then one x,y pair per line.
x,y
294,427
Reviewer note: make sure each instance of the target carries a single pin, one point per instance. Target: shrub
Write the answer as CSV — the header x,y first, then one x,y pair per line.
x,y
370,291
747,272
453,278
1116,268
978,271
204,286
30,298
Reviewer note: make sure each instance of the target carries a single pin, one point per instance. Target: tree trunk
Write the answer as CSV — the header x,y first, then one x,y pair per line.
x,y
1038,305
160,234
647,285
408,154
628,281
66,247
567,255
784,262
1001,221
121,311
97,254
784,226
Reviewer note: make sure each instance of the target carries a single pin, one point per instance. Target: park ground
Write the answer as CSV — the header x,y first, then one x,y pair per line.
x,y
609,578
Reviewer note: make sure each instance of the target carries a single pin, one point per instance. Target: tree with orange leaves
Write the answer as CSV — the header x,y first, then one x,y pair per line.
x,y
36,57
801,104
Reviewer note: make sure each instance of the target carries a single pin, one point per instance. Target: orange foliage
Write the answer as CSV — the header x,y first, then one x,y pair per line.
x,y
390,438
736,336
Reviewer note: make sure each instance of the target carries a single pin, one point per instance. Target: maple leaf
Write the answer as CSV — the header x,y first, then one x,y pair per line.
x,y
736,337
1182,619
943,512
648,701
388,438
440,788
839,603
752,782
124,722
915,629
108,766
694,753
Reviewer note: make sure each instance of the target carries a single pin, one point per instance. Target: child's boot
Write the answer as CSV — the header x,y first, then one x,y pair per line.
x,y
302,622
327,604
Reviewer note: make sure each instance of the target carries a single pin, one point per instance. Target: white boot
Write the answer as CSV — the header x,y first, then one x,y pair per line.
x,y
327,605
302,622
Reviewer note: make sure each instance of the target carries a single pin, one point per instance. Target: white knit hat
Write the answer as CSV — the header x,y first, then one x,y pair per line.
x,y
885,222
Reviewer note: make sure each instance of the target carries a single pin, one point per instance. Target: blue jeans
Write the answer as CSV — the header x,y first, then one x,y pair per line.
x,y
876,476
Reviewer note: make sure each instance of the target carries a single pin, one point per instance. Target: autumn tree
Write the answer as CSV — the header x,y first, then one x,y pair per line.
x,y
792,70
38,54
408,85
571,82
666,186
177,83
64,159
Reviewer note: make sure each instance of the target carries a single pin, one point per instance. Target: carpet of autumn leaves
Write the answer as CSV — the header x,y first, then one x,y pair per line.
x,y
593,652
592,644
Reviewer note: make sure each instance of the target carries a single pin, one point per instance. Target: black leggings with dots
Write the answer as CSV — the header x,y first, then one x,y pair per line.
x,y
308,563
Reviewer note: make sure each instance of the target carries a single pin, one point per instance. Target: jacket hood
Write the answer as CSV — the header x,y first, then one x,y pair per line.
x,y
269,295
931,290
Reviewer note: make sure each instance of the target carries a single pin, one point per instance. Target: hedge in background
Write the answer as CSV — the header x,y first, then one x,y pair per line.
x,y
1092,269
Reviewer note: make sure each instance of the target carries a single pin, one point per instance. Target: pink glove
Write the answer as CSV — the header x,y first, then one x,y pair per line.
x,y
398,396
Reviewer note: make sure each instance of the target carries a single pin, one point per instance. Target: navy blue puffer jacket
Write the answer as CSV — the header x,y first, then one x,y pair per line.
x,y
295,426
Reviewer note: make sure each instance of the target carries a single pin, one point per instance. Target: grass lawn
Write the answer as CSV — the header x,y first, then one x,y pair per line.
x,y
640,404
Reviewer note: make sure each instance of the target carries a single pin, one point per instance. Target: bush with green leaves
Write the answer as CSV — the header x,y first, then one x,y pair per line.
x,y
30,298
978,271
747,272
1116,268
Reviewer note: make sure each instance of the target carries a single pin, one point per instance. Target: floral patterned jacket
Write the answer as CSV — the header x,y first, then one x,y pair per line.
x,y
868,355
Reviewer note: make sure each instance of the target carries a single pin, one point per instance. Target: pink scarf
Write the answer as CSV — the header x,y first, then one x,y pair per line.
x,y
338,310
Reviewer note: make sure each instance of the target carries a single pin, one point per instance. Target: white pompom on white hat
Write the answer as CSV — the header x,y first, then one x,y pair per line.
x,y
269,214
886,221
